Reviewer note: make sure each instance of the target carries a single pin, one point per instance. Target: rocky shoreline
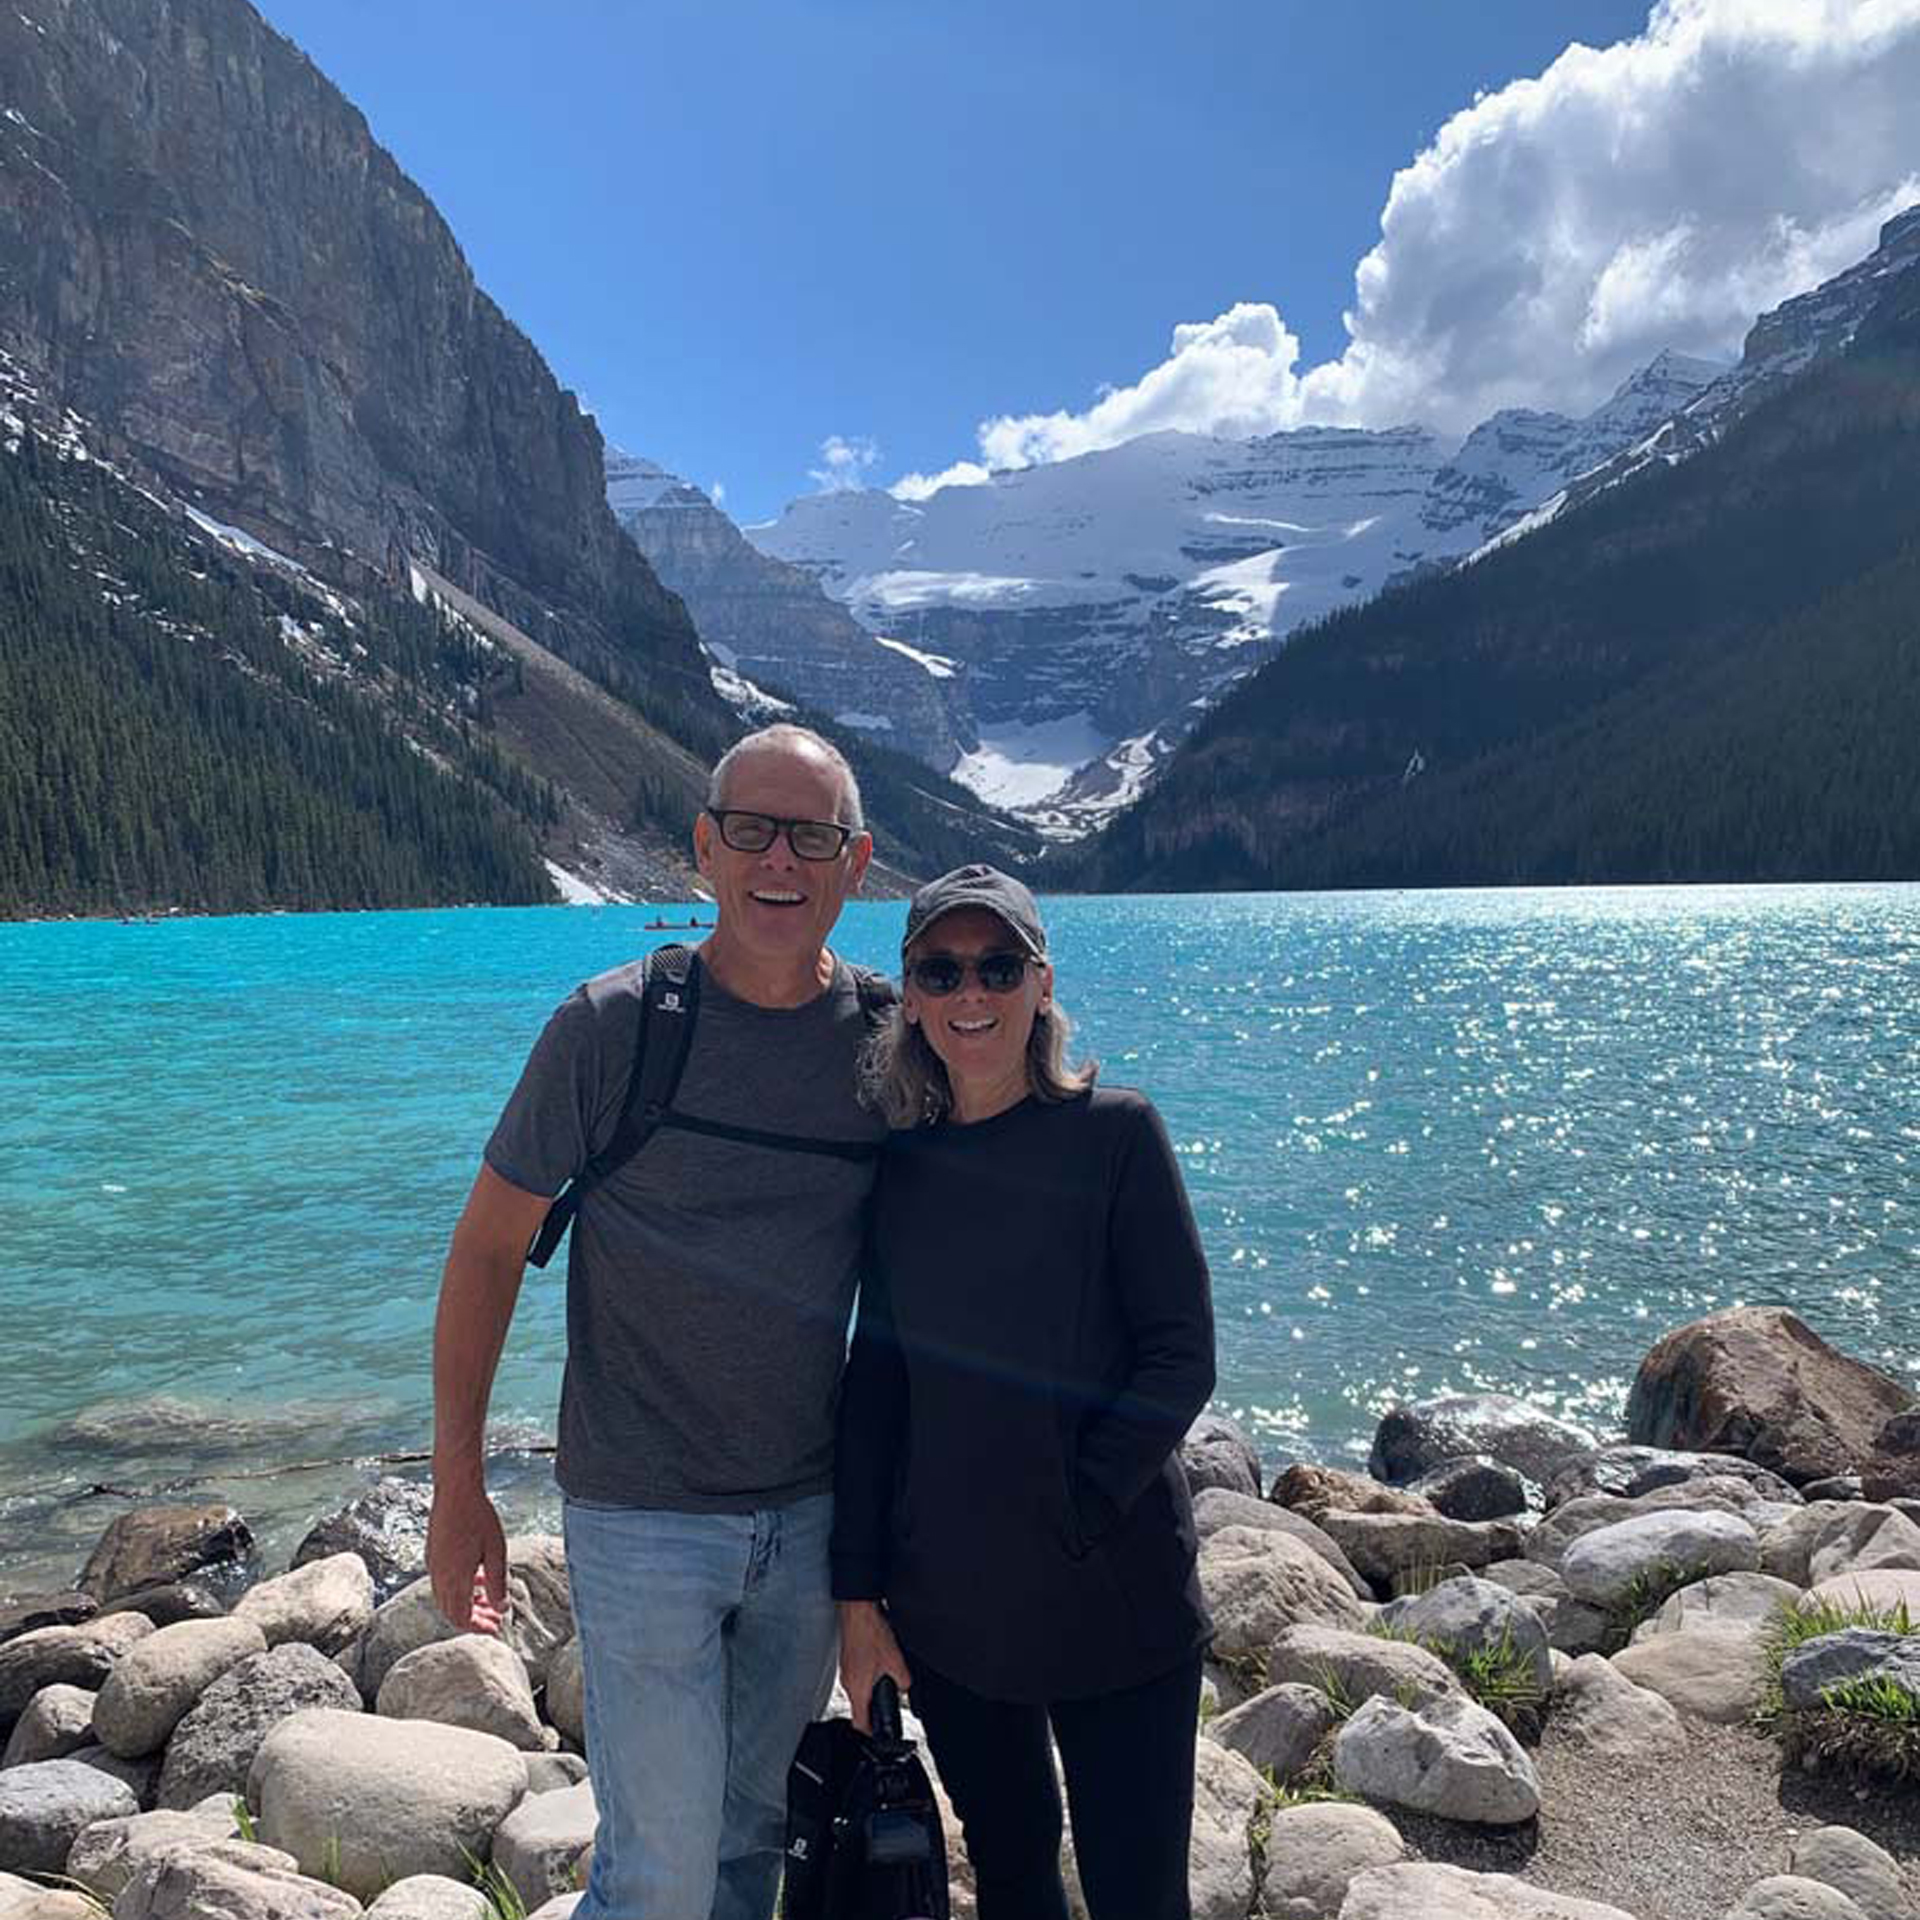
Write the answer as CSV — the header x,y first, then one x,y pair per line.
x,y
1517,1671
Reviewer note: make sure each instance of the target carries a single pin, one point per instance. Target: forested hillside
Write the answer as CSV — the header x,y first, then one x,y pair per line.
x,y
1708,673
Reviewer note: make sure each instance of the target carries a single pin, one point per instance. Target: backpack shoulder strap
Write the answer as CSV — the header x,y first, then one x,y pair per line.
x,y
669,999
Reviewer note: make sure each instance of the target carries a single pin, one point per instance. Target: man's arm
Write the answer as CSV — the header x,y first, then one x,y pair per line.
x,y
466,1545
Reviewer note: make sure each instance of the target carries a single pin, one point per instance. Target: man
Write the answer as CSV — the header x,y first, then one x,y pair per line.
x,y
709,1287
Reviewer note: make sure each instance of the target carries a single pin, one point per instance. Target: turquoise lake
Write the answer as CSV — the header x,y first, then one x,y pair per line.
x,y
1434,1140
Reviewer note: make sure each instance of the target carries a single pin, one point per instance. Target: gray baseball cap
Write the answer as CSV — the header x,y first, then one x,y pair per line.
x,y
998,893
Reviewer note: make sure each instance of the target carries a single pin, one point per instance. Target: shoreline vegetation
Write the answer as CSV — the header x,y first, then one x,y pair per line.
x,y
1452,1685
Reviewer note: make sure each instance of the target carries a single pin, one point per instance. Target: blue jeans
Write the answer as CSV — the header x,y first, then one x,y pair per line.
x,y
708,1642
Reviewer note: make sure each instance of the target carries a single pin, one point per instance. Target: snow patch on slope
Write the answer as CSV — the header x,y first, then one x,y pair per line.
x,y
1019,765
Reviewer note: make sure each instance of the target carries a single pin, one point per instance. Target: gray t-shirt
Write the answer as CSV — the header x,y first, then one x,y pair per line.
x,y
709,1282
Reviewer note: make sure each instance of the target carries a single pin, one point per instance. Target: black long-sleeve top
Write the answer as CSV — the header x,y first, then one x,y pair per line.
x,y
1035,1336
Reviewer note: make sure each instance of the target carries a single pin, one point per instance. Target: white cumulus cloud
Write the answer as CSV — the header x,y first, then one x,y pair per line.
x,y
845,461
1561,231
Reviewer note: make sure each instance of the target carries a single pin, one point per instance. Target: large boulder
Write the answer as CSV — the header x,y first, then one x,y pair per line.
x,y
1278,1729
1597,1708
46,1806
1469,1616
1258,1584
1860,1537
1423,1890
1787,1896
1713,1673
321,1603
1476,1487
110,1852
1413,1440
227,1880
1656,1551
1218,1453
1884,1590
373,1799
540,1843
153,1546
385,1525
1448,1757
1386,1547
1549,1541
213,1747
76,1656
1759,1382
58,1721
140,1777
1628,1471
1228,1797
1853,1653
1314,1852
1353,1667
156,1681
1216,1509
1847,1860
473,1680
1725,1599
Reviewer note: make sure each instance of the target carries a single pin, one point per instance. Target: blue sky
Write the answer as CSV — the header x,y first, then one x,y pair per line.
x,y
739,229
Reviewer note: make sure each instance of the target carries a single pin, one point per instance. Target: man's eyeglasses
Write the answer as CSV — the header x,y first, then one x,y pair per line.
x,y
756,832
939,974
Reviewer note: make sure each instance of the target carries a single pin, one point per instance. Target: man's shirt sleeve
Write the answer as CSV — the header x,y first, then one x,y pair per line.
x,y
545,1134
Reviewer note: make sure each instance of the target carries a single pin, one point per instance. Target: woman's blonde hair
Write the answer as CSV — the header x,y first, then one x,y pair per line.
x,y
905,1082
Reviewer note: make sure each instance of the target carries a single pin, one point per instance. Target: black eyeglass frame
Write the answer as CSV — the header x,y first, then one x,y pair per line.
x,y
976,965
721,815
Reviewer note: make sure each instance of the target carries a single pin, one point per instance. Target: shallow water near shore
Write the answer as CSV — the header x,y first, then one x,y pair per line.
x,y
1434,1141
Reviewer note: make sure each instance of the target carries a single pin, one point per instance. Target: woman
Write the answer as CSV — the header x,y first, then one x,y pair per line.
x,y
1013,1540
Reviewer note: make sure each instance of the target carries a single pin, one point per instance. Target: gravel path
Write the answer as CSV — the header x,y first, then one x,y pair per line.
x,y
1667,1841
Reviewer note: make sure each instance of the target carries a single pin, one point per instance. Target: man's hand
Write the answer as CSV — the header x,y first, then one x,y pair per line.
x,y
467,1557
867,1650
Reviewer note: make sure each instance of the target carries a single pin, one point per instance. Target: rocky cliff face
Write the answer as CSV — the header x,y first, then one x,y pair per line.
x,y
205,254
766,620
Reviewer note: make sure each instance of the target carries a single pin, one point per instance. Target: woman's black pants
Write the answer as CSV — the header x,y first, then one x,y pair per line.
x,y
1128,1761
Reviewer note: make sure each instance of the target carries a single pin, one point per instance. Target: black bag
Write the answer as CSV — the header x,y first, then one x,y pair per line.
x,y
864,1840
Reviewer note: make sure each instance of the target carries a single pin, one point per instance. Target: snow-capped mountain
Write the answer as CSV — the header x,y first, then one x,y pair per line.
x,y
1099,604
767,625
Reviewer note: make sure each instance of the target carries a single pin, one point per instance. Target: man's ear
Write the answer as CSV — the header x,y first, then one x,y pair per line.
x,y
857,865
703,842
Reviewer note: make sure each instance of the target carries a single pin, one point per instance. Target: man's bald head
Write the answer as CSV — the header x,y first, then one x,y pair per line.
x,y
803,742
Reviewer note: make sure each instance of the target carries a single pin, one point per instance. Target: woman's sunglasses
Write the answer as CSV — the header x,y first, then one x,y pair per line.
x,y
939,974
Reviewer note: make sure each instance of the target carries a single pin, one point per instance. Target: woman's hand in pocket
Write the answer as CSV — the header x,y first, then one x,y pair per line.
x,y
867,1650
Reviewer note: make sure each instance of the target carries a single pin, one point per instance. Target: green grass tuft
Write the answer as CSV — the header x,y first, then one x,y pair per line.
x,y
1499,1677
501,1895
1646,1594
1866,1729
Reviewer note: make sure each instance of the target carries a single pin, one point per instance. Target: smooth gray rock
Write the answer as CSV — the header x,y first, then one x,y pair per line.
x,y
382,1798
551,1772
1448,1757
1862,1537
1385,1546
213,1747
1854,1653
168,1605
1598,1708
140,1777
1315,1851
1359,1665
1787,1545
110,1852
1628,1471
58,1721
153,1546
1412,1440
1847,1860
1216,1509
539,1844
1258,1584
321,1603
1604,1566
47,1805
215,1879
22,1899
430,1896
1469,1615
1477,1487
1217,1452
1785,1896
76,1656
1723,1599
157,1680
1424,1890
1713,1673
1573,1626
473,1680
1278,1729
1549,1541
1525,1577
